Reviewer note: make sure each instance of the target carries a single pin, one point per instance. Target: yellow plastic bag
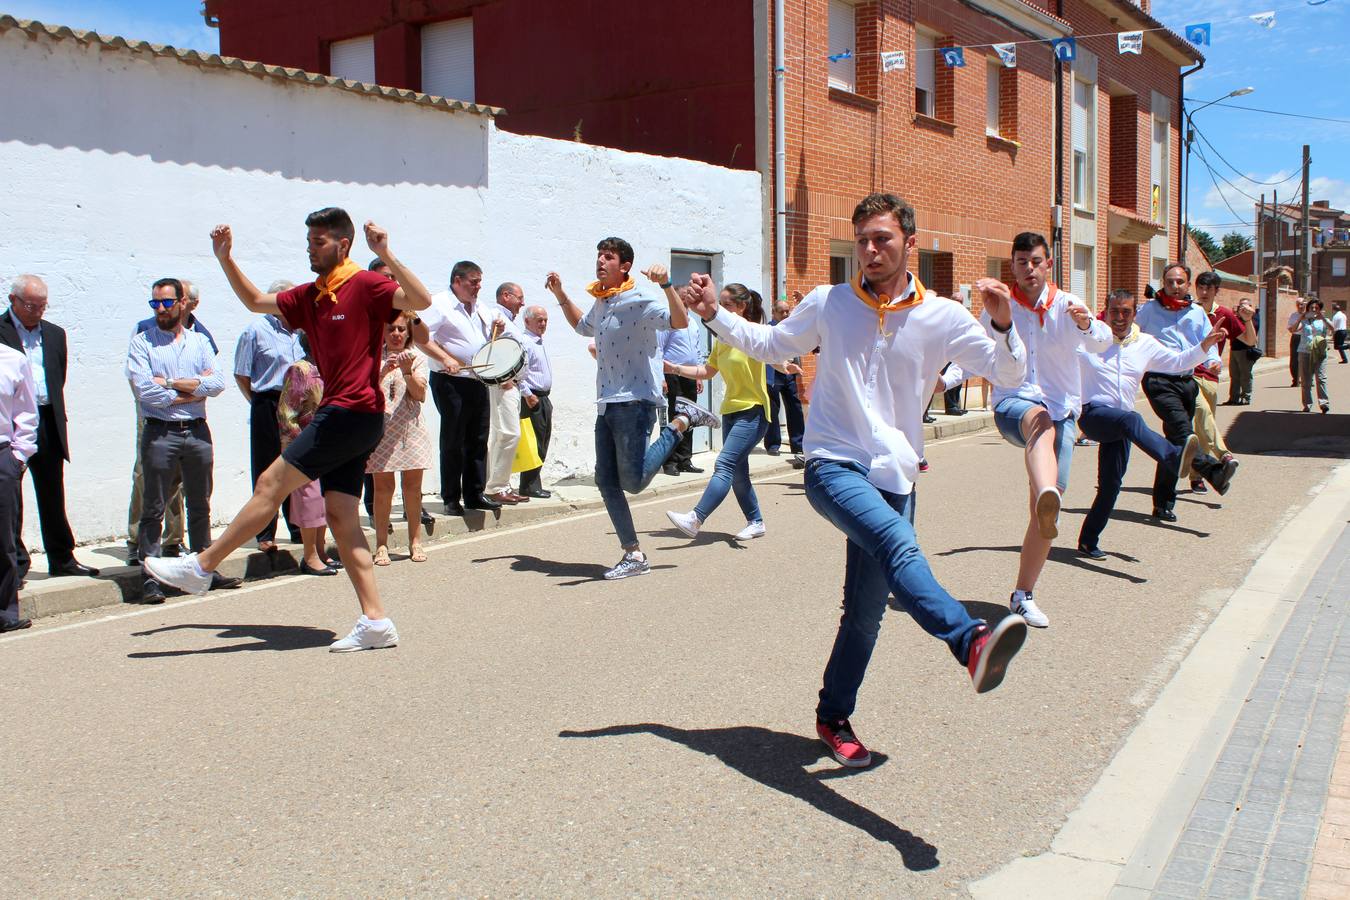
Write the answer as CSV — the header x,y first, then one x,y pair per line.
x,y
527,449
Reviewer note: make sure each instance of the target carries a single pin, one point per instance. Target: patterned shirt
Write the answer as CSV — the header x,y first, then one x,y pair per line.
x,y
627,331
301,396
266,349
162,354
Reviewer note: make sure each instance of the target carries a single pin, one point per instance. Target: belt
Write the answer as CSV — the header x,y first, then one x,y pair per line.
x,y
175,424
1185,377
538,393
274,396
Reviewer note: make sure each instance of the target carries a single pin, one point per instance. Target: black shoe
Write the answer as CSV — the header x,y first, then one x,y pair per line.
x,y
306,570
928,419
1092,553
670,470
1221,476
72,567
171,550
335,564
773,451
1164,515
454,509
484,502
16,625
428,522
151,594
538,493
221,582
955,412
690,468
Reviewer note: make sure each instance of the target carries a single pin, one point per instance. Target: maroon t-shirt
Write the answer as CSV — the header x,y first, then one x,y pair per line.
x,y
346,337
1224,318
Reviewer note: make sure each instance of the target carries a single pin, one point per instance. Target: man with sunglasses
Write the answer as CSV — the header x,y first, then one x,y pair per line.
x,y
173,370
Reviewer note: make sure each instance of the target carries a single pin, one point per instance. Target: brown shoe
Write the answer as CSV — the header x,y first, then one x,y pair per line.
x,y
519,498
504,497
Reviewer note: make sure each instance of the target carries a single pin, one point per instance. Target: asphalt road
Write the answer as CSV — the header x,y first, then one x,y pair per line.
x,y
543,732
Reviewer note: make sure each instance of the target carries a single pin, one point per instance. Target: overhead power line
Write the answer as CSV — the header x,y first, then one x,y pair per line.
x,y
1276,112
1239,172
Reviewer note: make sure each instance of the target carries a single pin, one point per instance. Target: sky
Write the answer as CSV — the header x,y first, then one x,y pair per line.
x,y
1295,67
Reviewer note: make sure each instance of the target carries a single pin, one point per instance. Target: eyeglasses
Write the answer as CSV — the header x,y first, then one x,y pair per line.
x,y
32,306
166,303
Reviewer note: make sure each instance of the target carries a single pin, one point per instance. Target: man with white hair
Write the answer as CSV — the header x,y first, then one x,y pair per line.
x,y
24,329
536,381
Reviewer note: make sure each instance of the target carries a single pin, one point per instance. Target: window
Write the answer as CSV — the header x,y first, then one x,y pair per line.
x,y
992,70
447,59
1158,162
1084,143
843,36
927,271
1082,279
925,74
993,267
353,59
1338,267
1157,273
843,262
682,265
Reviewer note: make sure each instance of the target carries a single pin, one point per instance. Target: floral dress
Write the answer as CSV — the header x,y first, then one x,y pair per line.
x,y
301,393
407,442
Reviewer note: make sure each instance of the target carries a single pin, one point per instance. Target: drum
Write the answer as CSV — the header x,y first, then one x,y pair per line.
x,y
498,361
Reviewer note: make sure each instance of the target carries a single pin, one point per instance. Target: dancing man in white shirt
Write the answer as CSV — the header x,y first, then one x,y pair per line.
x,y
1038,415
882,340
1110,385
18,443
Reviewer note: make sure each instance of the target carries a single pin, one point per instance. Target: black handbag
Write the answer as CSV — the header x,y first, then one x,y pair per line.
x,y
1254,353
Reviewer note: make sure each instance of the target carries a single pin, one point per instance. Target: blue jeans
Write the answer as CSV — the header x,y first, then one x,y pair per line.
x,y
882,558
741,431
1114,430
1008,416
624,462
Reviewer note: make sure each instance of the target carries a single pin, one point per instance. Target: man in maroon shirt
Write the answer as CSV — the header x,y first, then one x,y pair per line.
x,y
343,313
1206,426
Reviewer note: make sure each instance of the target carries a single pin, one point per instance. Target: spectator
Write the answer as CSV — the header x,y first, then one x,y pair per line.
x,y
535,384
44,344
173,504
172,371
1242,355
1338,329
1207,378
18,442
301,396
783,394
1295,326
406,445
262,356
677,349
450,332
1313,332
504,408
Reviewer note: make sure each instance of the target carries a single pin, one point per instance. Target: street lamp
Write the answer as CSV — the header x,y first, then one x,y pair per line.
x,y
1186,161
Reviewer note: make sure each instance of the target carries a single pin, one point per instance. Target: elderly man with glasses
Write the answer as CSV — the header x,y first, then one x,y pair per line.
x,y
23,328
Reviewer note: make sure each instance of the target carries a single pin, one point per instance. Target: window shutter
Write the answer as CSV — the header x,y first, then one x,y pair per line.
x,y
991,109
447,59
1080,115
353,59
843,36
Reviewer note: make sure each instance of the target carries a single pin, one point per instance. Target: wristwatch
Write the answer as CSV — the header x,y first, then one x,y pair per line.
x,y
665,286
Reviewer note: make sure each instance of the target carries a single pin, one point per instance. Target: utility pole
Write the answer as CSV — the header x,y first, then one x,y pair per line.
x,y
1305,246
1258,247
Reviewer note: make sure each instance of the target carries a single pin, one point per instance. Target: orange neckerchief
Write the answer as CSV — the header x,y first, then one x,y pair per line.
x,y
1038,308
327,285
603,293
1170,304
884,304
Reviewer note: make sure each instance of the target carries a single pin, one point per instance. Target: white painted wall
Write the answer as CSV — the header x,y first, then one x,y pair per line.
x,y
118,165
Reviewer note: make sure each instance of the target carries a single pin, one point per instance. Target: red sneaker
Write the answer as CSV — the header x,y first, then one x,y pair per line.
x,y
992,649
844,744
923,464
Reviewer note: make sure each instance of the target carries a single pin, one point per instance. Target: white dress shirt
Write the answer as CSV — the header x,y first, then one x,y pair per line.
x,y
1112,378
461,331
1052,354
32,345
872,385
18,404
538,374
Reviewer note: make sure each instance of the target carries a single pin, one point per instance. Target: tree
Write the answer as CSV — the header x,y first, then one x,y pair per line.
x,y
1234,243
1205,241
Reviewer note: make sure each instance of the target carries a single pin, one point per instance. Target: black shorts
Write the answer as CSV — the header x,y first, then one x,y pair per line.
x,y
334,446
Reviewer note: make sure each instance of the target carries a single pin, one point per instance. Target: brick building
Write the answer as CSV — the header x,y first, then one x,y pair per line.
x,y
982,151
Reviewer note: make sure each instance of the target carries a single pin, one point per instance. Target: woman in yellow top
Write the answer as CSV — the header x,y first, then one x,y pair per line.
x,y
745,419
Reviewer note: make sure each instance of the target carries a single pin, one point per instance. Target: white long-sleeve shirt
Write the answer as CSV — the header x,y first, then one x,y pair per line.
x,y
872,384
18,403
1052,354
1112,378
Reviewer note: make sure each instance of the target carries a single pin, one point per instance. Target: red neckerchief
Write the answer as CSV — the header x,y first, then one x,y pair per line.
x,y
1038,308
1170,304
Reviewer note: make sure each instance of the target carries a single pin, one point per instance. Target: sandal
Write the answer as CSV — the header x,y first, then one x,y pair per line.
x,y
417,554
382,556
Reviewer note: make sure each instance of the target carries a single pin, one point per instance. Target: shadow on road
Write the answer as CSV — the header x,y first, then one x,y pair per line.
x,y
778,760
582,573
1183,496
1138,518
704,539
1061,555
1288,433
258,637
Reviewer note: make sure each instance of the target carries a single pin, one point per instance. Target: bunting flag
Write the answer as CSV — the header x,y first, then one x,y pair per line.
x,y
1199,34
838,57
1066,49
892,60
1130,42
1265,19
954,57
1007,53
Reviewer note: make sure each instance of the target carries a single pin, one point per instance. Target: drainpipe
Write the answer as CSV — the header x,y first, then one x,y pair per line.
x,y
779,159
1057,233
1183,179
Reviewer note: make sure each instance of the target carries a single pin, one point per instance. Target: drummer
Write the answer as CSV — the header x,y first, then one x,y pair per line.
x,y
624,321
450,332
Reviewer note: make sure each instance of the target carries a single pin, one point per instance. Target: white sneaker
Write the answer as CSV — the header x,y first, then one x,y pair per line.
x,y
178,572
688,522
367,635
751,531
696,414
1047,514
1188,455
1027,609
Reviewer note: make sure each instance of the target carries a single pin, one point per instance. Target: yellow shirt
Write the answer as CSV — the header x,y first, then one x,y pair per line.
x,y
743,377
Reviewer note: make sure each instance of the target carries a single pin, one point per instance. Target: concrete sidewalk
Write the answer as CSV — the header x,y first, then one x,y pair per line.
x,y
118,582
